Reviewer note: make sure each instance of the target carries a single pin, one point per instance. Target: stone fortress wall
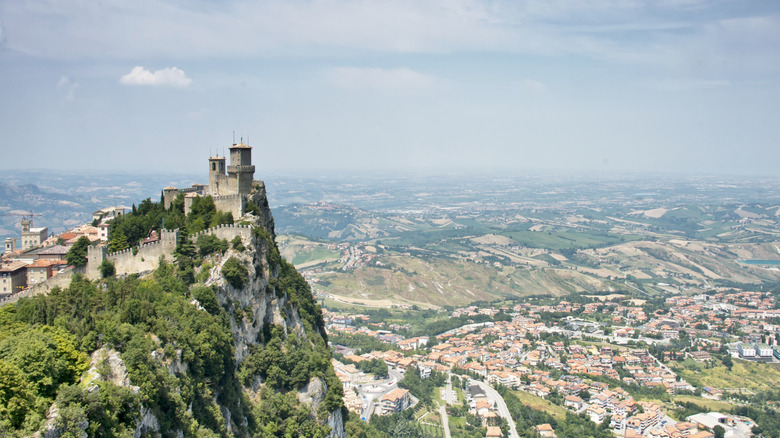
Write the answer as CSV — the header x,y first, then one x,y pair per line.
x,y
147,256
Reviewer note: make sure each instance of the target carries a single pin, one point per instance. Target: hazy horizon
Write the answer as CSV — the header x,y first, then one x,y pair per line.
x,y
681,86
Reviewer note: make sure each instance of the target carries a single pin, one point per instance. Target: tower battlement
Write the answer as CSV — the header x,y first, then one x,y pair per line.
x,y
229,185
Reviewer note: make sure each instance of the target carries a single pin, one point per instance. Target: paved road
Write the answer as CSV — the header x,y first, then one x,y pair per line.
x,y
445,421
381,388
501,405
449,395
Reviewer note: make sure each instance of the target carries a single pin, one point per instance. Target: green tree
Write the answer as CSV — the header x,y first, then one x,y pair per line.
x,y
77,255
107,269
237,243
235,273
184,253
118,242
727,362
719,431
209,244
16,398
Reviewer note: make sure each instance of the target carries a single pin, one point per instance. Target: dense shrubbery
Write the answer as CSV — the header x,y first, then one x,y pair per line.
x,y
362,343
238,245
235,273
107,269
45,342
130,229
280,415
439,326
209,244
283,364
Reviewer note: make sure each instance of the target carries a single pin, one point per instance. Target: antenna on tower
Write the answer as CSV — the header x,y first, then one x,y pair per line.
x,y
234,137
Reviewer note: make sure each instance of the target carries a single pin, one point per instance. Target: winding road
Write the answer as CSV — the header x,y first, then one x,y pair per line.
x,y
503,410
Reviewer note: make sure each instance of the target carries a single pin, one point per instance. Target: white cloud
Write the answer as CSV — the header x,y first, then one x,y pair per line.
x,y
385,80
170,77
68,86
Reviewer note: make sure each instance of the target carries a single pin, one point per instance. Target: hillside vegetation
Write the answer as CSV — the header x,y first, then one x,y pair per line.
x,y
226,341
177,347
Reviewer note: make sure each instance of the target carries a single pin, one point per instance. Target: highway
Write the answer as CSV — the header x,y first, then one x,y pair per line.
x,y
500,404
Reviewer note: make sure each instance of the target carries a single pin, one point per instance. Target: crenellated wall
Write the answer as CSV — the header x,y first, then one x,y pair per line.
x,y
147,256
227,232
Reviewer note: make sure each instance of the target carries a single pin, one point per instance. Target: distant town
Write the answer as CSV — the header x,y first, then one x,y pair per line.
x,y
582,360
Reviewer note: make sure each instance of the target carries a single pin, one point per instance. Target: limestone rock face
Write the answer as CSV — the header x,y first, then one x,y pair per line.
x,y
336,423
258,303
260,200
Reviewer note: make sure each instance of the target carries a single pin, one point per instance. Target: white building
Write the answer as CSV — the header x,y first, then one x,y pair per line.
x,y
31,236
746,350
763,350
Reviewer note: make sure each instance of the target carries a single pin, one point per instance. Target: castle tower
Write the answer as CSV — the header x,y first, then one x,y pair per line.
x,y
241,171
217,177
169,194
26,225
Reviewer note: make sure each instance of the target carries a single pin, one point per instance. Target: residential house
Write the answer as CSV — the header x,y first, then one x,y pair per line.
x,y
395,401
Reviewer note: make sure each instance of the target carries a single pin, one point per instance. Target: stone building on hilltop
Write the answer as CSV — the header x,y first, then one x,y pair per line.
x,y
32,236
230,186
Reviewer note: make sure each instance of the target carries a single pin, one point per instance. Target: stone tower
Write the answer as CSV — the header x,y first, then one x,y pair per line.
x,y
10,245
241,171
218,181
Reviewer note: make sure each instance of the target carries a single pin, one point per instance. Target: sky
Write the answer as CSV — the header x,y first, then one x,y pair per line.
x,y
600,86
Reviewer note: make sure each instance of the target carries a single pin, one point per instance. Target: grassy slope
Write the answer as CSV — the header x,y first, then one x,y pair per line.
x,y
541,404
712,405
444,281
750,375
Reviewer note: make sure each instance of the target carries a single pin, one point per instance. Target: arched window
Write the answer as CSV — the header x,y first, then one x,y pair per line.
x,y
213,166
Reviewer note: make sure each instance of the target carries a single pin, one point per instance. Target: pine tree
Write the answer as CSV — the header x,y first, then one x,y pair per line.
x,y
77,255
184,254
118,242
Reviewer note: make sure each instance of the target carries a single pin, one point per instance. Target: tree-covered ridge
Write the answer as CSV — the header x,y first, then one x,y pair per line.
x,y
176,343
128,230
